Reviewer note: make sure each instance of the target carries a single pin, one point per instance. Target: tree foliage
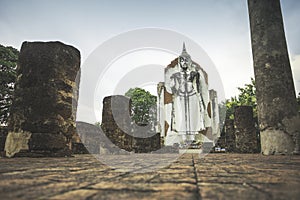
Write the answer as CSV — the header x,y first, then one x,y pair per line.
x,y
143,106
8,65
246,97
98,124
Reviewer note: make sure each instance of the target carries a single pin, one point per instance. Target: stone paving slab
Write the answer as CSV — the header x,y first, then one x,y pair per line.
x,y
215,176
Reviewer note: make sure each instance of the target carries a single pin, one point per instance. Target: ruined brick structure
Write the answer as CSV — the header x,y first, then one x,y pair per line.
x,y
279,121
229,135
215,122
90,139
240,135
42,120
117,126
245,131
113,130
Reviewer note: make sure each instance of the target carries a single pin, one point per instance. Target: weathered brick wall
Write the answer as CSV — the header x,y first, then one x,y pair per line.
x,y
117,132
90,139
42,119
145,145
245,131
229,135
112,130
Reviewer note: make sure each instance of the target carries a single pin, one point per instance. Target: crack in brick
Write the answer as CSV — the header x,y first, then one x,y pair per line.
x,y
197,181
270,196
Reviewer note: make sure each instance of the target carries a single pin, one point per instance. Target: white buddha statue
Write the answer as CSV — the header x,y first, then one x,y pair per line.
x,y
188,108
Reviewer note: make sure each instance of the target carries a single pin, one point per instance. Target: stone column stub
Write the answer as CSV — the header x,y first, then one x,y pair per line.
x,y
229,135
245,131
42,120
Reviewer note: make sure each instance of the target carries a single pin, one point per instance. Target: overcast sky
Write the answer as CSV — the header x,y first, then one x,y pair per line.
x,y
220,27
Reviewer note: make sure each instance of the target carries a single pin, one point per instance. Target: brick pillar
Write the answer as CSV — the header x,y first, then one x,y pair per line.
x,y
42,120
277,107
116,124
117,132
245,131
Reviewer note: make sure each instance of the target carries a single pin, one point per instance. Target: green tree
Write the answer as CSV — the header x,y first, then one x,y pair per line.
x,y
98,124
246,97
8,65
143,106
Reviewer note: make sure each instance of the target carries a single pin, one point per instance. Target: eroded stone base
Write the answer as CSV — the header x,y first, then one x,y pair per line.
x,y
48,141
28,144
276,142
16,141
293,127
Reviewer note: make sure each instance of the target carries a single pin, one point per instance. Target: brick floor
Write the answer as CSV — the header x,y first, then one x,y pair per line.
x,y
215,176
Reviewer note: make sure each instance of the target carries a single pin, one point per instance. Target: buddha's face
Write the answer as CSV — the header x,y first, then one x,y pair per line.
x,y
184,62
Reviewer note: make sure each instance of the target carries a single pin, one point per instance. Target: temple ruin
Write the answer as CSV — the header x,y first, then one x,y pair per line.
x,y
42,116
